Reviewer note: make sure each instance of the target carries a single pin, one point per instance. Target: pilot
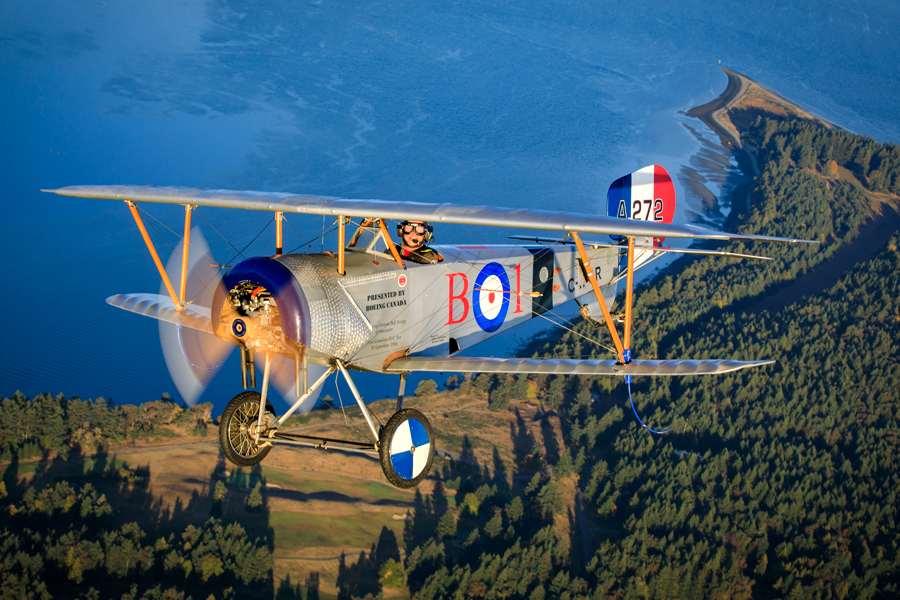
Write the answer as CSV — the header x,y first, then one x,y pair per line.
x,y
415,234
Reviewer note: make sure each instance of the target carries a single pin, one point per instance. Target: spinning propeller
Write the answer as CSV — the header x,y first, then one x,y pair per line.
x,y
193,357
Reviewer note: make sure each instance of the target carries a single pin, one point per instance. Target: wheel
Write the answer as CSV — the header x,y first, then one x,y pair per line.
x,y
237,426
406,448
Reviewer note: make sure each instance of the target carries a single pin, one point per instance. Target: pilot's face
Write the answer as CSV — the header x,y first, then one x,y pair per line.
x,y
414,234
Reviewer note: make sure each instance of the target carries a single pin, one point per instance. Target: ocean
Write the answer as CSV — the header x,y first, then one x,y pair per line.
x,y
531,104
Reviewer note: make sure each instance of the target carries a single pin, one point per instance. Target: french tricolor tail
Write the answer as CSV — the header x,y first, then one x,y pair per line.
x,y
646,195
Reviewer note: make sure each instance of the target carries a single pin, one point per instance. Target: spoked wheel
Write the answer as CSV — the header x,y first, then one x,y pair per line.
x,y
406,448
237,428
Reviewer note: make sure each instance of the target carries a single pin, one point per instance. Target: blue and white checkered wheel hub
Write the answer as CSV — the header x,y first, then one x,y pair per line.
x,y
410,447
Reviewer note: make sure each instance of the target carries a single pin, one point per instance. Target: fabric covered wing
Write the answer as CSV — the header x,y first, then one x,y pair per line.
x,y
562,366
519,218
160,308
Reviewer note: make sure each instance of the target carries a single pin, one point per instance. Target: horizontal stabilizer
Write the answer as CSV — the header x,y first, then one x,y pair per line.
x,y
567,366
160,308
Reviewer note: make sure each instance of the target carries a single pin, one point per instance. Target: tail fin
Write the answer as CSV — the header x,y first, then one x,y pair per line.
x,y
646,195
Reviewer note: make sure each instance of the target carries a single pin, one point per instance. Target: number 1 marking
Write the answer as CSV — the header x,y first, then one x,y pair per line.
x,y
518,271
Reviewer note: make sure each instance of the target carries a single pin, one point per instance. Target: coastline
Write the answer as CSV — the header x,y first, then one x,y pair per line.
x,y
710,113
742,101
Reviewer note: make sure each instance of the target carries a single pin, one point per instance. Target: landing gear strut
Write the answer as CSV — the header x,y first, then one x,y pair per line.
x,y
405,446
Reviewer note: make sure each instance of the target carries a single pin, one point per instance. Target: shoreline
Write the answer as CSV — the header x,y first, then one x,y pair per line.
x,y
743,100
745,95
710,112
733,110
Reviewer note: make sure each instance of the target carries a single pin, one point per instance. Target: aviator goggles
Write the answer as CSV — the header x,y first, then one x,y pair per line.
x,y
417,227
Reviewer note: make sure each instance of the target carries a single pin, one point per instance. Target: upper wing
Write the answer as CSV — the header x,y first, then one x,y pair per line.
x,y
566,366
520,218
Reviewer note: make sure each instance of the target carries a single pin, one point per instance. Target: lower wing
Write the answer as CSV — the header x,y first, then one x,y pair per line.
x,y
161,308
567,366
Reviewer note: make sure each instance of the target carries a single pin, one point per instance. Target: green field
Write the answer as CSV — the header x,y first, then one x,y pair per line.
x,y
300,530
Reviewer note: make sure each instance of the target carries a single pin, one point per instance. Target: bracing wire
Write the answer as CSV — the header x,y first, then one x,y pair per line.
x,y
164,240
313,241
308,244
220,233
337,387
571,330
241,252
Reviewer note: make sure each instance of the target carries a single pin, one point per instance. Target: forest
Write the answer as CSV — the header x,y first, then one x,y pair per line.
x,y
65,540
774,482
33,427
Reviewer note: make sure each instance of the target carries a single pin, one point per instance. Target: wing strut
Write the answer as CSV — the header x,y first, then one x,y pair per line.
x,y
629,294
279,237
185,252
342,235
159,266
389,244
592,277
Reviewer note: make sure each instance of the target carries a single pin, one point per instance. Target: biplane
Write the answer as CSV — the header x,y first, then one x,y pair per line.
x,y
362,307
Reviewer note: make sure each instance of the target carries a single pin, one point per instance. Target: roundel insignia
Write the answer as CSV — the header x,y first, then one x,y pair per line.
x,y
239,328
490,297
401,281
409,449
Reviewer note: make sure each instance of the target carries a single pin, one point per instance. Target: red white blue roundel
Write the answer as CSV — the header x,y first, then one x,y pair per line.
x,y
410,447
490,298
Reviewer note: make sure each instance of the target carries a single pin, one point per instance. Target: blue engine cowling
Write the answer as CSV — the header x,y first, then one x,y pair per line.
x,y
315,310
280,282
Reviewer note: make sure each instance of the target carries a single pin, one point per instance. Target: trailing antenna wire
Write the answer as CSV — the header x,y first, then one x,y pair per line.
x,y
630,399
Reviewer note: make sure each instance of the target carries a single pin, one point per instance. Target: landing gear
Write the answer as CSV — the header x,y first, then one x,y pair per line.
x,y
238,429
406,448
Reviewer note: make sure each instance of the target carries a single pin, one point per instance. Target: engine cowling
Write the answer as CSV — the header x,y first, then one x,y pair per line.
x,y
285,303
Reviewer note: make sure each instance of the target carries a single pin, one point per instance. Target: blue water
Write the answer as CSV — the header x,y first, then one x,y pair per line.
x,y
510,103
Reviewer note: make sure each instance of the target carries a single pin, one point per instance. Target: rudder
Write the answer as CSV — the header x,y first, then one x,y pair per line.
x,y
648,194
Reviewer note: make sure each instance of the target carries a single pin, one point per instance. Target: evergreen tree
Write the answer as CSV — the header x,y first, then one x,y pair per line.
x,y
390,575
446,527
255,500
494,526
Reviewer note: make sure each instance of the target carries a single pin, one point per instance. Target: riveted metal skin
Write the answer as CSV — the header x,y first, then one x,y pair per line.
x,y
337,326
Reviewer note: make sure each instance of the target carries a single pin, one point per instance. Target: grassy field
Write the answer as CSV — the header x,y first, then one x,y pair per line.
x,y
329,516
296,531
